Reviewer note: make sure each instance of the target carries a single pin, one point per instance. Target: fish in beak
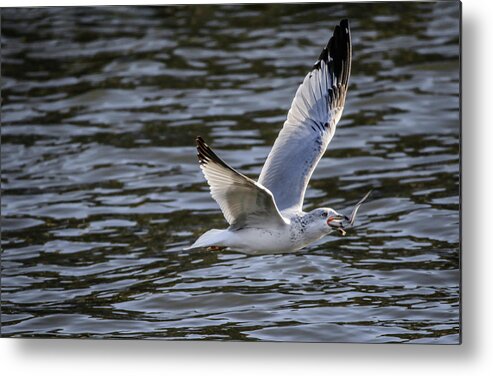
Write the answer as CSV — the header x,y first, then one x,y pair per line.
x,y
341,222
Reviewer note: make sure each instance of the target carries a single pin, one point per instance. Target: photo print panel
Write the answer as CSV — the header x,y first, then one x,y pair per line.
x,y
275,172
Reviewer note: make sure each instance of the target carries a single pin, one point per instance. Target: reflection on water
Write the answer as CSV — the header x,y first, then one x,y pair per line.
x,y
101,188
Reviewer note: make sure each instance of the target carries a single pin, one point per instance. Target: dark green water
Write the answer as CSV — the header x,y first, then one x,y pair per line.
x,y
101,187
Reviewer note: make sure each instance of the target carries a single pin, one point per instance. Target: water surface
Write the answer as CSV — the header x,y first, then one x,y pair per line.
x,y
101,188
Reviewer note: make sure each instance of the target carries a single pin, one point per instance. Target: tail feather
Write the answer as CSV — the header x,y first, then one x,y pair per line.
x,y
210,238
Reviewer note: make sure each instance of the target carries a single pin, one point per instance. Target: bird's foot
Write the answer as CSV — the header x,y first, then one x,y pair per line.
x,y
215,248
341,231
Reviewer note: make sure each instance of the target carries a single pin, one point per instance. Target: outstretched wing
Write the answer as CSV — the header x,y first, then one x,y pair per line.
x,y
243,202
311,123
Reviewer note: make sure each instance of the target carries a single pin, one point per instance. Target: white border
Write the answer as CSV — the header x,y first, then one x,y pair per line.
x,y
92,357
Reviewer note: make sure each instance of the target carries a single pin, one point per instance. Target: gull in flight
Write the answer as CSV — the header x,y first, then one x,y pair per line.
x,y
266,216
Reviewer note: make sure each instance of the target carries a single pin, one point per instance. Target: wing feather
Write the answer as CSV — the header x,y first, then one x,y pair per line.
x,y
311,123
243,202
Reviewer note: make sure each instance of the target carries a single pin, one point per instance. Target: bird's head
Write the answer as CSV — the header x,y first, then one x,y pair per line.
x,y
327,219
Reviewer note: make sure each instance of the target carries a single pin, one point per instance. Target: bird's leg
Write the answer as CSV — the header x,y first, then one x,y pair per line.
x,y
215,248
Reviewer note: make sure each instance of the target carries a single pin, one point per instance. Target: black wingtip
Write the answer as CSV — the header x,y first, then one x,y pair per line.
x,y
337,53
203,150
206,154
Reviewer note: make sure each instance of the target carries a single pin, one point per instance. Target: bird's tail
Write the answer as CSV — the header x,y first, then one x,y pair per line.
x,y
210,238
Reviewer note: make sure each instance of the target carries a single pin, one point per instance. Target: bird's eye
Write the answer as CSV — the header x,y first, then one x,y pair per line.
x,y
324,215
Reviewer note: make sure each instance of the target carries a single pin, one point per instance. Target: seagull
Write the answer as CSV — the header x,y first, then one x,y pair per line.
x,y
266,216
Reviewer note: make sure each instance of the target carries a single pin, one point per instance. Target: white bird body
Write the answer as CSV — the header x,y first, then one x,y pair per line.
x,y
293,236
267,216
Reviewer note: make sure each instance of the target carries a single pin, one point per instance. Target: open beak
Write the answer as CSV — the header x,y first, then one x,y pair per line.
x,y
338,222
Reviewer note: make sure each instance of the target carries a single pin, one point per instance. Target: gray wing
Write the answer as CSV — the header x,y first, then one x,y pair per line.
x,y
243,202
311,123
